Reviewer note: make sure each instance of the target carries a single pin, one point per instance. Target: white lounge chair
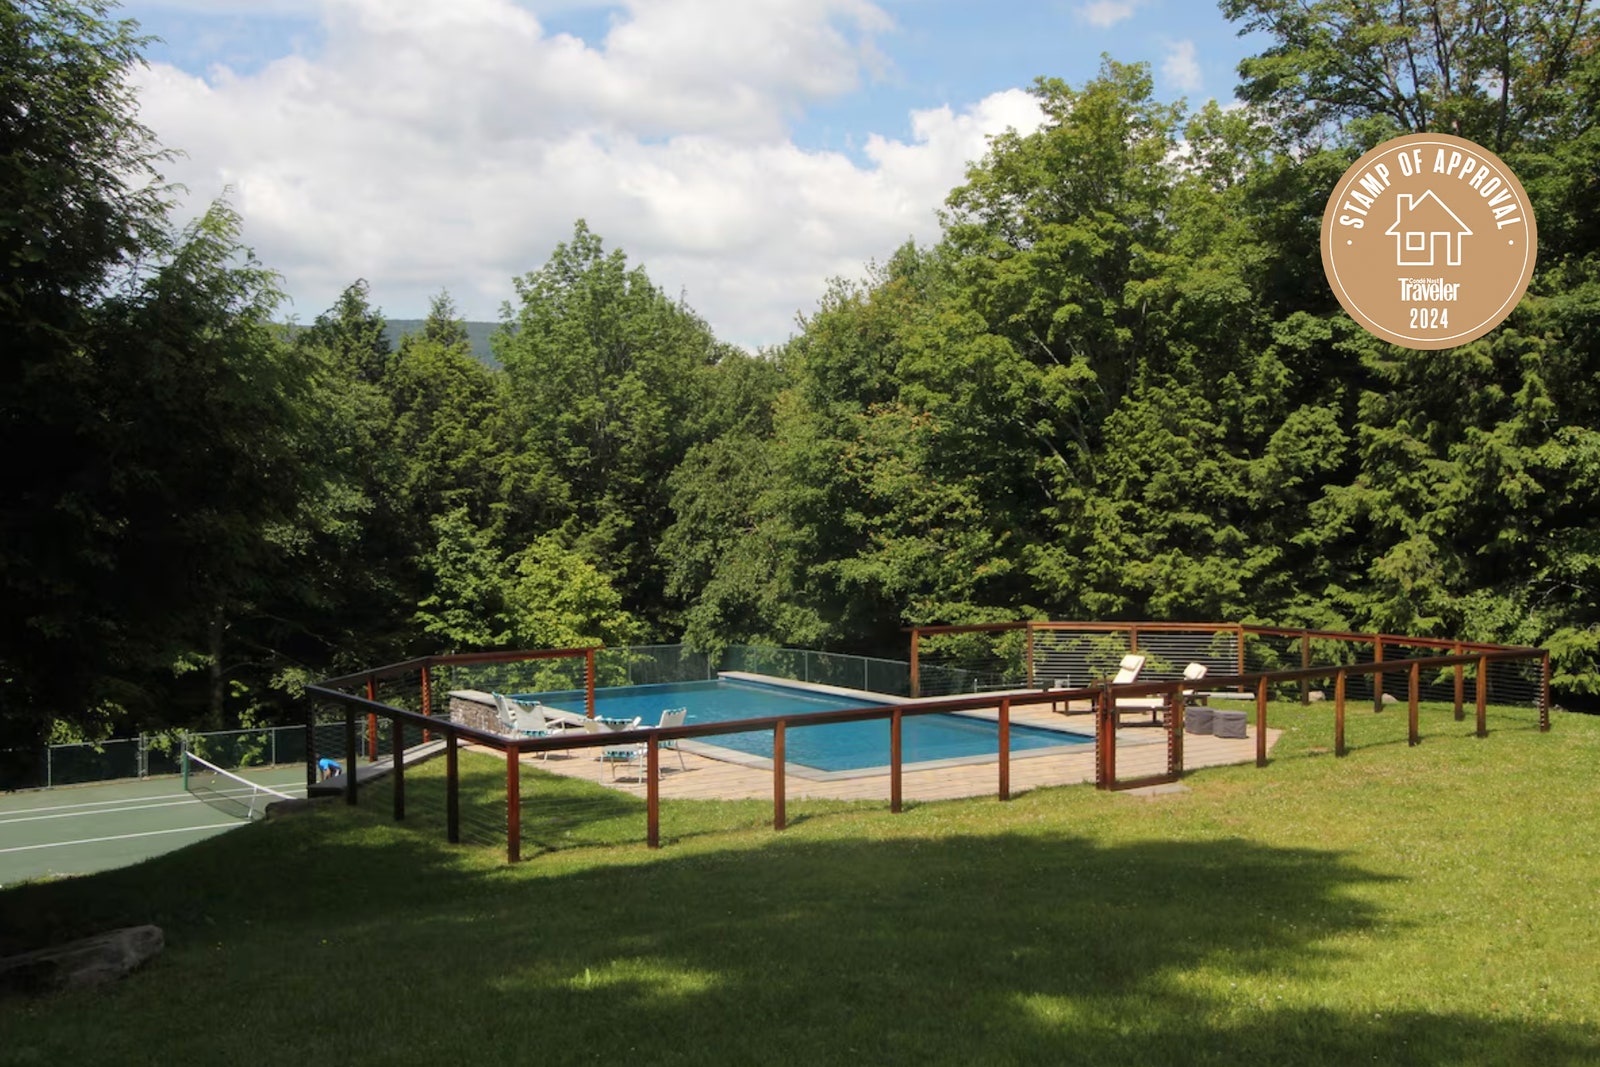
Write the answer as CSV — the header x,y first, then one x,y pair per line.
x,y
1155,705
502,713
530,720
1128,671
639,753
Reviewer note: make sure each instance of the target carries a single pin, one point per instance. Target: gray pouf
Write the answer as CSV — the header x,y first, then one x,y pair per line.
x,y
1228,723
1197,720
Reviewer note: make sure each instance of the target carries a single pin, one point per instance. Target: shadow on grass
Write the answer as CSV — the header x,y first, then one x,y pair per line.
x,y
984,948
559,812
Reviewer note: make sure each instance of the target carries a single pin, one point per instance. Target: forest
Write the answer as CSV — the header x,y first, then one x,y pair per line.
x,y
1117,386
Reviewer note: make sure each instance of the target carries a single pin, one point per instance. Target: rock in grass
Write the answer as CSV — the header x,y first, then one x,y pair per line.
x,y
79,964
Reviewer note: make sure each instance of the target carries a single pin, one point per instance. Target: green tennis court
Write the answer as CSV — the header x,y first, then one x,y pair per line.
x,y
79,829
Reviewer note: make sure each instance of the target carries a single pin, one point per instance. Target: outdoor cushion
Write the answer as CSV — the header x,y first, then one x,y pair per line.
x,y
1228,723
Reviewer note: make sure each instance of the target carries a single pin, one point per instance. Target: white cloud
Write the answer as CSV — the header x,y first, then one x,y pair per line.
x,y
1107,13
429,145
1182,68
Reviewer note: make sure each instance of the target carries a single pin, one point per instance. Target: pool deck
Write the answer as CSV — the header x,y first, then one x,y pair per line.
x,y
1141,752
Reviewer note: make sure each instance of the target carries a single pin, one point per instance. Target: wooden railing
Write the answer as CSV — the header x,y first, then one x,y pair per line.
x,y
1103,696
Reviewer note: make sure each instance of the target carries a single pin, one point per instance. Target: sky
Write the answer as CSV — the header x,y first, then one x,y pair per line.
x,y
743,151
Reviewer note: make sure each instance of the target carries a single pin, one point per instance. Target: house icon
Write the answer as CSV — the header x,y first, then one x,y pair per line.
x,y
1421,223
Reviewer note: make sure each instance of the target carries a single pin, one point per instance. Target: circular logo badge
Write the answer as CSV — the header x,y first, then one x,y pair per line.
x,y
1428,241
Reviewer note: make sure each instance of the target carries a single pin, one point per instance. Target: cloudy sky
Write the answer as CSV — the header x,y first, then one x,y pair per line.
x,y
744,151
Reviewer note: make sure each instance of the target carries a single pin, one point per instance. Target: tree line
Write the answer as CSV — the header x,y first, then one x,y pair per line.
x,y
1117,386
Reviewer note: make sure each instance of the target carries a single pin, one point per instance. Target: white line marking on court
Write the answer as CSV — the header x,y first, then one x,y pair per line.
x,y
122,803
108,811
105,803
174,800
120,837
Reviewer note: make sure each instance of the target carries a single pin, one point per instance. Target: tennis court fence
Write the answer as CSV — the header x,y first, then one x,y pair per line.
x,y
153,755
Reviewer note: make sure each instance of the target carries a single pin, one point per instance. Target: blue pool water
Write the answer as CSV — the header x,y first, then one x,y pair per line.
x,y
837,747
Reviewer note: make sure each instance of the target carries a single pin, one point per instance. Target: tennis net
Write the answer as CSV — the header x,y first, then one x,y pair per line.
x,y
225,791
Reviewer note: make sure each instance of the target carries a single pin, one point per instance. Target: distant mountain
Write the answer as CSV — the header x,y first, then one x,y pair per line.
x,y
394,329
477,332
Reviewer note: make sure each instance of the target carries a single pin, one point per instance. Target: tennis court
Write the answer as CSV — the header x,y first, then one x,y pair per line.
x,y
80,829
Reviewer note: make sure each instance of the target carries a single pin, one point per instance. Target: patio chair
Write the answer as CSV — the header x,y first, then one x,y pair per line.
x,y
639,752
530,720
502,713
674,717
1128,671
599,726
1156,705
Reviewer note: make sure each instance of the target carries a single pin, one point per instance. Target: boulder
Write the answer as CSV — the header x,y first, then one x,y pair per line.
x,y
1316,696
80,964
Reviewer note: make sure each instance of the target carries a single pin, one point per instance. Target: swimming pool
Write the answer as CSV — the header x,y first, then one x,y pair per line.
x,y
837,747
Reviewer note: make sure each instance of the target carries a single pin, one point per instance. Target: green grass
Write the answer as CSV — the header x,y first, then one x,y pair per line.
x,y
1435,905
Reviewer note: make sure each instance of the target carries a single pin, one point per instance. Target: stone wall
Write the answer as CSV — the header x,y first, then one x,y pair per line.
x,y
469,707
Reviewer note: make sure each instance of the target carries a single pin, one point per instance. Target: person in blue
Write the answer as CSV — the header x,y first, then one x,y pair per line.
x,y
327,768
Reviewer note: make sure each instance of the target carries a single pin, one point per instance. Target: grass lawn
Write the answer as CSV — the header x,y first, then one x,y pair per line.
x,y
1437,905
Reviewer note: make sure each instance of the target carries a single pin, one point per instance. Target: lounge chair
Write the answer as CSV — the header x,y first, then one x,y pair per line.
x,y
530,720
639,753
502,713
1155,705
674,717
1128,671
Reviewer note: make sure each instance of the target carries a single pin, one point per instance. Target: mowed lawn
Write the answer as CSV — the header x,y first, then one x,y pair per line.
x,y
1436,905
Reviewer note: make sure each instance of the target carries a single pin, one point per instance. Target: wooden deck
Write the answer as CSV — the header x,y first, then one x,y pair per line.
x,y
1141,752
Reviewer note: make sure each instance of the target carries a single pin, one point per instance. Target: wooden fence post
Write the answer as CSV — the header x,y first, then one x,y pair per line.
x,y
452,790
916,676
779,789
588,682
1261,722
427,700
1544,693
1461,684
1414,738
1482,689
1338,714
1377,679
894,761
1305,665
1005,746
652,802
372,720
399,771
1175,710
513,805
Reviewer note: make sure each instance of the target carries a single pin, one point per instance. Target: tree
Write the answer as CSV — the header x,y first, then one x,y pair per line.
x,y
1457,511
80,199
144,376
1490,71
450,429
610,380
546,596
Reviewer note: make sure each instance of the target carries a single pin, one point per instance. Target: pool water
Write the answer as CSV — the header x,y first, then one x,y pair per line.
x,y
847,746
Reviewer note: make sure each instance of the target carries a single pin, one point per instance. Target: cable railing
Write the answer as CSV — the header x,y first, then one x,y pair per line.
x,y
1399,670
